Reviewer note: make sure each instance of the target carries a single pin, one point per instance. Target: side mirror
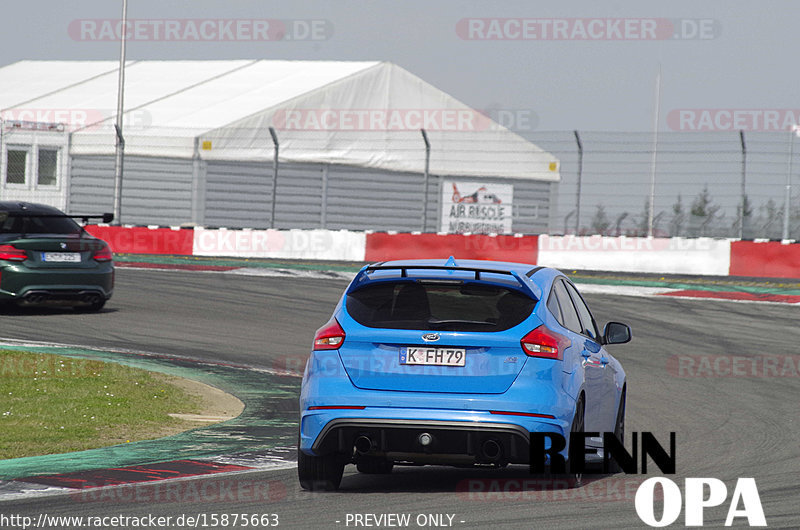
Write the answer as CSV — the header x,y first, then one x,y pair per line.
x,y
108,217
616,333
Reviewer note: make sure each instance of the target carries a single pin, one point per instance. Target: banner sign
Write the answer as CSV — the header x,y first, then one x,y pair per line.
x,y
476,207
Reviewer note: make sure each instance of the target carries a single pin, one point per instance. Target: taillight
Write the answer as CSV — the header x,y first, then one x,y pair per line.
x,y
543,342
12,253
329,337
103,254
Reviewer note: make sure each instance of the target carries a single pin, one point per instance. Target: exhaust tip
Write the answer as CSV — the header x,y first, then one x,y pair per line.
x,y
34,298
90,298
363,445
492,450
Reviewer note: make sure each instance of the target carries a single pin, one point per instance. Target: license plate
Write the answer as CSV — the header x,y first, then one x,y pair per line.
x,y
61,257
433,356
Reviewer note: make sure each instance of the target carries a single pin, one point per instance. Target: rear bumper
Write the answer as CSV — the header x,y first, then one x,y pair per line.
x,y
18,282
456,437
68,296
447,441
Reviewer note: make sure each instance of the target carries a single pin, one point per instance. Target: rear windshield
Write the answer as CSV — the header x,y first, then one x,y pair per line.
x,y
439,306
31,224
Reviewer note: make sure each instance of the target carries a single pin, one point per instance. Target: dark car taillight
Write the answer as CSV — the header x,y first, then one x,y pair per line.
x,y
543,342
12,253
329,337
103,254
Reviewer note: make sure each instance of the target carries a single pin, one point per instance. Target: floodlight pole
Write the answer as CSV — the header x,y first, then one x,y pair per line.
x,y
120,148
787,201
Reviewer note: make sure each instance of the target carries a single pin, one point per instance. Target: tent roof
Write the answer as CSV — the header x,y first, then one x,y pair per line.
x,y
196,95
172,107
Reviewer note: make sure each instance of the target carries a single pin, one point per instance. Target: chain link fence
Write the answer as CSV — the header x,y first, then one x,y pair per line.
x,y
727,184
717,184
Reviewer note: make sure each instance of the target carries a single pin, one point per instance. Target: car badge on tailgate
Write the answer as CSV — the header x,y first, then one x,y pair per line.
x,y
63,245
430,337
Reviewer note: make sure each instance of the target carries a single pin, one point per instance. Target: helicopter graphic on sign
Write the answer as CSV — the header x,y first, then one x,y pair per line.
x,y
481,195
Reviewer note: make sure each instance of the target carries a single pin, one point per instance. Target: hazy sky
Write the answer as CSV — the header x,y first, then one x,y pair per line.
x,y
746,60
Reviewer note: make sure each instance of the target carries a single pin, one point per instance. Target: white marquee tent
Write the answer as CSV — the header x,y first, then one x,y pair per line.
x,y
363,114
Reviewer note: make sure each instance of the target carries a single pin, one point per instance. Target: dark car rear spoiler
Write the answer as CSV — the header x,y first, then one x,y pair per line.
x,y
363,275
106,217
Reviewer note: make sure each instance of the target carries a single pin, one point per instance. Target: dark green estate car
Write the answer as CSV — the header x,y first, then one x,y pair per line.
x,y
46,258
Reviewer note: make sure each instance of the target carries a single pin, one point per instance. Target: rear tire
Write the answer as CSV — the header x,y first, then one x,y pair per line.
x,y
319,473
619,431
576,479
374,465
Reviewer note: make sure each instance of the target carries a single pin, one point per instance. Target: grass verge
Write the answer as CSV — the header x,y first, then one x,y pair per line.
x,y
54,404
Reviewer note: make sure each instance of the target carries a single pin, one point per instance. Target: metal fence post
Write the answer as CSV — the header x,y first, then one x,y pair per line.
x,y
580,179
744,184
198,185
274,176
425,180
323,214
66,176
119,163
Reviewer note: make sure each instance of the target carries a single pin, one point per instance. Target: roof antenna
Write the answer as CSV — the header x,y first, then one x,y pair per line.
x,y
451,262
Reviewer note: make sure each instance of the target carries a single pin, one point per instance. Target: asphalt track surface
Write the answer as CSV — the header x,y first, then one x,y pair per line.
x,y
726,427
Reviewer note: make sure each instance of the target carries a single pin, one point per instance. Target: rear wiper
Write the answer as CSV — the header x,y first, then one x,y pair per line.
x,y
436,322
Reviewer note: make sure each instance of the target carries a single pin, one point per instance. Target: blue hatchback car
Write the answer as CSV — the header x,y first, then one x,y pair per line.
x,y
454,363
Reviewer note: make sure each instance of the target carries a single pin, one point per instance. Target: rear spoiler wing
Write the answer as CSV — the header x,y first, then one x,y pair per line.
x,y
106,217
363,275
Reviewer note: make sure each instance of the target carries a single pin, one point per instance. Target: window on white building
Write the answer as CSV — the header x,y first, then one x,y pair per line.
x,y
16,166
47,173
